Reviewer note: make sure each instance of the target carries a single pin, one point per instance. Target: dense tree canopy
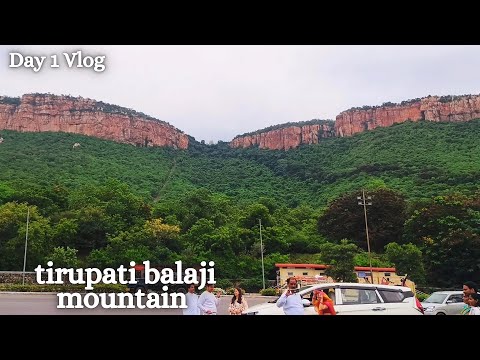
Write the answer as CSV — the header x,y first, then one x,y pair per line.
x,y
106,204
345,218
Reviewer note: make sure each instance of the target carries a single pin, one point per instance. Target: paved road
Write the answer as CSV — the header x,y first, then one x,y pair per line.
x,y
46,304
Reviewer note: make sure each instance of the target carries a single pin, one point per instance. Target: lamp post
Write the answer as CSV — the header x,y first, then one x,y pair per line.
x,y
261,252
26,243
366,201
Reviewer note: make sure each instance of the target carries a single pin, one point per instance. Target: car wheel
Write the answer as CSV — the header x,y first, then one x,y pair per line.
x,y
441,313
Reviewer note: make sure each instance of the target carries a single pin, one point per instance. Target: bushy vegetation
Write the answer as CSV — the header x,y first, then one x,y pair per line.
x,y
10,100
105,204
268,292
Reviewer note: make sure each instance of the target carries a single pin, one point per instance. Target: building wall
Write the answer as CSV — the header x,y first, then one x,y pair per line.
x,y
394,279
285,273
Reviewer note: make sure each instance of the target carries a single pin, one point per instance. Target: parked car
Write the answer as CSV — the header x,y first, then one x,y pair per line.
x,y
444,303
353,299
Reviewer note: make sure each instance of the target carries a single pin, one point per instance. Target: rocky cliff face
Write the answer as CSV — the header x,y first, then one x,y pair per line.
x,y
432,108
285,138
41,112
356,120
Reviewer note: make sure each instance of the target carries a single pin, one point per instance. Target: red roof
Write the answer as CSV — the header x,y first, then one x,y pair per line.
x,y
302,266
322,267
378,269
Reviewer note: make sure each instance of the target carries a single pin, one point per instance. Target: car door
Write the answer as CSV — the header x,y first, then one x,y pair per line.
x,y
454,304
397,302
358,301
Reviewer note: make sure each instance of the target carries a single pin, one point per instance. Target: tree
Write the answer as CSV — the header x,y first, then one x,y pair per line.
x,y
340,257
13,228
254,212
65,232
452,258
163,234
407,259
447,231
63,257
344,218
438,217
6,192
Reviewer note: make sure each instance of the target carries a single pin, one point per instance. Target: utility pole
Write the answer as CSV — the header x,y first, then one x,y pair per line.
x,y
261,252
366,202
26,243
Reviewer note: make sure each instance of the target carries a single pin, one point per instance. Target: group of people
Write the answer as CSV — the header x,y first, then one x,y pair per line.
x,y
471,299
207,303
291,301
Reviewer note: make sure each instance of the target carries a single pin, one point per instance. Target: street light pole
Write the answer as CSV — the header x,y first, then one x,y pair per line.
x,y
261,252
366,202
26,243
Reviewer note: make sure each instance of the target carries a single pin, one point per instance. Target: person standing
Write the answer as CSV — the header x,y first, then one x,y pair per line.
x,y
208,302
238,303
469,287
290,300
322,303
474,302
192,302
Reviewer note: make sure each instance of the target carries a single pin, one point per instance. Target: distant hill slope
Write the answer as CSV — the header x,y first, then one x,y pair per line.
x,y
420,159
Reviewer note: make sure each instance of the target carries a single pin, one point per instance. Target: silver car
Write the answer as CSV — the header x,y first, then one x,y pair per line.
x,y
444,303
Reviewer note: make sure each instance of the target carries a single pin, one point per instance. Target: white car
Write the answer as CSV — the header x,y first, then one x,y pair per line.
x,y
444,303
353,299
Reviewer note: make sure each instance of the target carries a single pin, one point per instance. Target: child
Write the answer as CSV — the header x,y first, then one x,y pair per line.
x,y
473,300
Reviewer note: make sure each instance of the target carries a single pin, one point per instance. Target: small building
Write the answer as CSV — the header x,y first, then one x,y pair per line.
x,y
315,273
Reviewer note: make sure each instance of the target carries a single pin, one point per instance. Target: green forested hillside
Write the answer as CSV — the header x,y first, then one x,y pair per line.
x,y
114,202
418,159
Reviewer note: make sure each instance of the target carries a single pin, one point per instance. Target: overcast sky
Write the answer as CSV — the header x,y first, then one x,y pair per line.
x,y
217,92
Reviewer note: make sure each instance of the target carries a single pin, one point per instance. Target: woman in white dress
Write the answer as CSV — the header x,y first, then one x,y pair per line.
x,y
238,303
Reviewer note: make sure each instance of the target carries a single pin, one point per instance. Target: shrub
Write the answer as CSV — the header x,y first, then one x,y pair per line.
x,y
268,292
251,285
230,291
215,290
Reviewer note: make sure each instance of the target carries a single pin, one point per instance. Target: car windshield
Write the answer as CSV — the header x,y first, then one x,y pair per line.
x,y
436,298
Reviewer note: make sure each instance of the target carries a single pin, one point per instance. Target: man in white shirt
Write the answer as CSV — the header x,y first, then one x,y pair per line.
x,y
192,302
290,300
208,302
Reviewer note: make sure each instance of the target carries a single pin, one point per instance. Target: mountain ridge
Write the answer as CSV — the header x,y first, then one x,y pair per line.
x,y
64,113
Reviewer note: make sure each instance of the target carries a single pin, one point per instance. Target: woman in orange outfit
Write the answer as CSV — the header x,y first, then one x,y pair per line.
x,y
322,303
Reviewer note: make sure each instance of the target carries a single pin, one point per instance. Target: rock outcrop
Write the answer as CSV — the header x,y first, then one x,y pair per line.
x,y
45,112
284,138
357,120
432,108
